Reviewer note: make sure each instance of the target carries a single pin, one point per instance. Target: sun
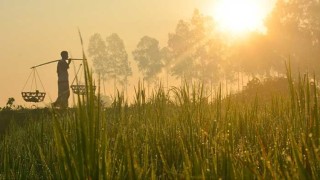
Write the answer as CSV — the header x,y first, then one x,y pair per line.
x,y
239,16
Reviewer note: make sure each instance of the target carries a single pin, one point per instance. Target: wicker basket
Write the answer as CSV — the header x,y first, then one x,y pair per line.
x,y
81,89
33,96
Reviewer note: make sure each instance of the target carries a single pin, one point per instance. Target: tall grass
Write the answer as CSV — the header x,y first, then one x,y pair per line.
x,y
174,134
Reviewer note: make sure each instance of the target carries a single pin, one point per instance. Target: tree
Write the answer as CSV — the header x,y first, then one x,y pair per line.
x,y
110,58
293,32
166,58
118,58
148,56
207,61
196,49
255,55
98,52
180,45
294,27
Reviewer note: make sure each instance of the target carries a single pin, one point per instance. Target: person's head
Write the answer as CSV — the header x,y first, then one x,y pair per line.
x,y
64,54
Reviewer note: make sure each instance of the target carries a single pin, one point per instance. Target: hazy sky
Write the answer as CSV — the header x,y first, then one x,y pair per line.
x,y
36,31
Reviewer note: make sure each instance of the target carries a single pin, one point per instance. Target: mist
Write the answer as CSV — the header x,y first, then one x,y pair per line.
x,y
187,47
197,51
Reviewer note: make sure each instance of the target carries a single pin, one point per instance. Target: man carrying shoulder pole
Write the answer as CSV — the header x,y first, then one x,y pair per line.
x,y
63,81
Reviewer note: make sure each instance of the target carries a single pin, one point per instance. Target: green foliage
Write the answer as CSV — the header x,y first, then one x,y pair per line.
x,y
10,105
266,90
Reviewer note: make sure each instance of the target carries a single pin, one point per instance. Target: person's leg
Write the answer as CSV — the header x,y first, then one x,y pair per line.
x,y
57,103
63,88
65,95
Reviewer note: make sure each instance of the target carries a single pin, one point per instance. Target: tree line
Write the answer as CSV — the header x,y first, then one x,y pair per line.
x,y
198,51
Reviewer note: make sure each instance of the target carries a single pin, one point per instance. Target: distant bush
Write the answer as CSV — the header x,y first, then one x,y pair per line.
x,y
264,89
10,105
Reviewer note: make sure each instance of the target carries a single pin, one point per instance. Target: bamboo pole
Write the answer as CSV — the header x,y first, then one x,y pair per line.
x,y
55,61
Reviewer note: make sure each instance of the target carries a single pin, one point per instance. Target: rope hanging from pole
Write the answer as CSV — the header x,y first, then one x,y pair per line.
x,y
78,88
33,95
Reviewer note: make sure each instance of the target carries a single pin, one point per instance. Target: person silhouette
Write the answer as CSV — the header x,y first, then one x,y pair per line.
x,y
63,81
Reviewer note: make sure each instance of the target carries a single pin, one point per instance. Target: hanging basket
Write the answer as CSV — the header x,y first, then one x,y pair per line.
x,y
33,96
81,89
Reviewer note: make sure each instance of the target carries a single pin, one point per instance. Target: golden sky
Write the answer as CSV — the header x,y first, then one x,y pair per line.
x,y
36,31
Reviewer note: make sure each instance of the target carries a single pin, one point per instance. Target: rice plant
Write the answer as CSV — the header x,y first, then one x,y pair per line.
x,y
173,134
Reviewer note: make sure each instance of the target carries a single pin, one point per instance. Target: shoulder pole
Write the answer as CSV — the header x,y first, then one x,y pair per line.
x,y
55,61
44,64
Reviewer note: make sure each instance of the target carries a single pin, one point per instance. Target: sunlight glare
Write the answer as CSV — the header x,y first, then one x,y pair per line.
x,y
239,16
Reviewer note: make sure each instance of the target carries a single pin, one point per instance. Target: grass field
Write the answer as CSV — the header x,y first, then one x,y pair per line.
x,y
175,134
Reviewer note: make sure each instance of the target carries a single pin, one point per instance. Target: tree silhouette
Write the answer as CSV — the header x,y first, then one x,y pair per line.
x,y
255,55
195,49
166,58
110,58
294,27
118,58
180,45
148,57
293,31
98,52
